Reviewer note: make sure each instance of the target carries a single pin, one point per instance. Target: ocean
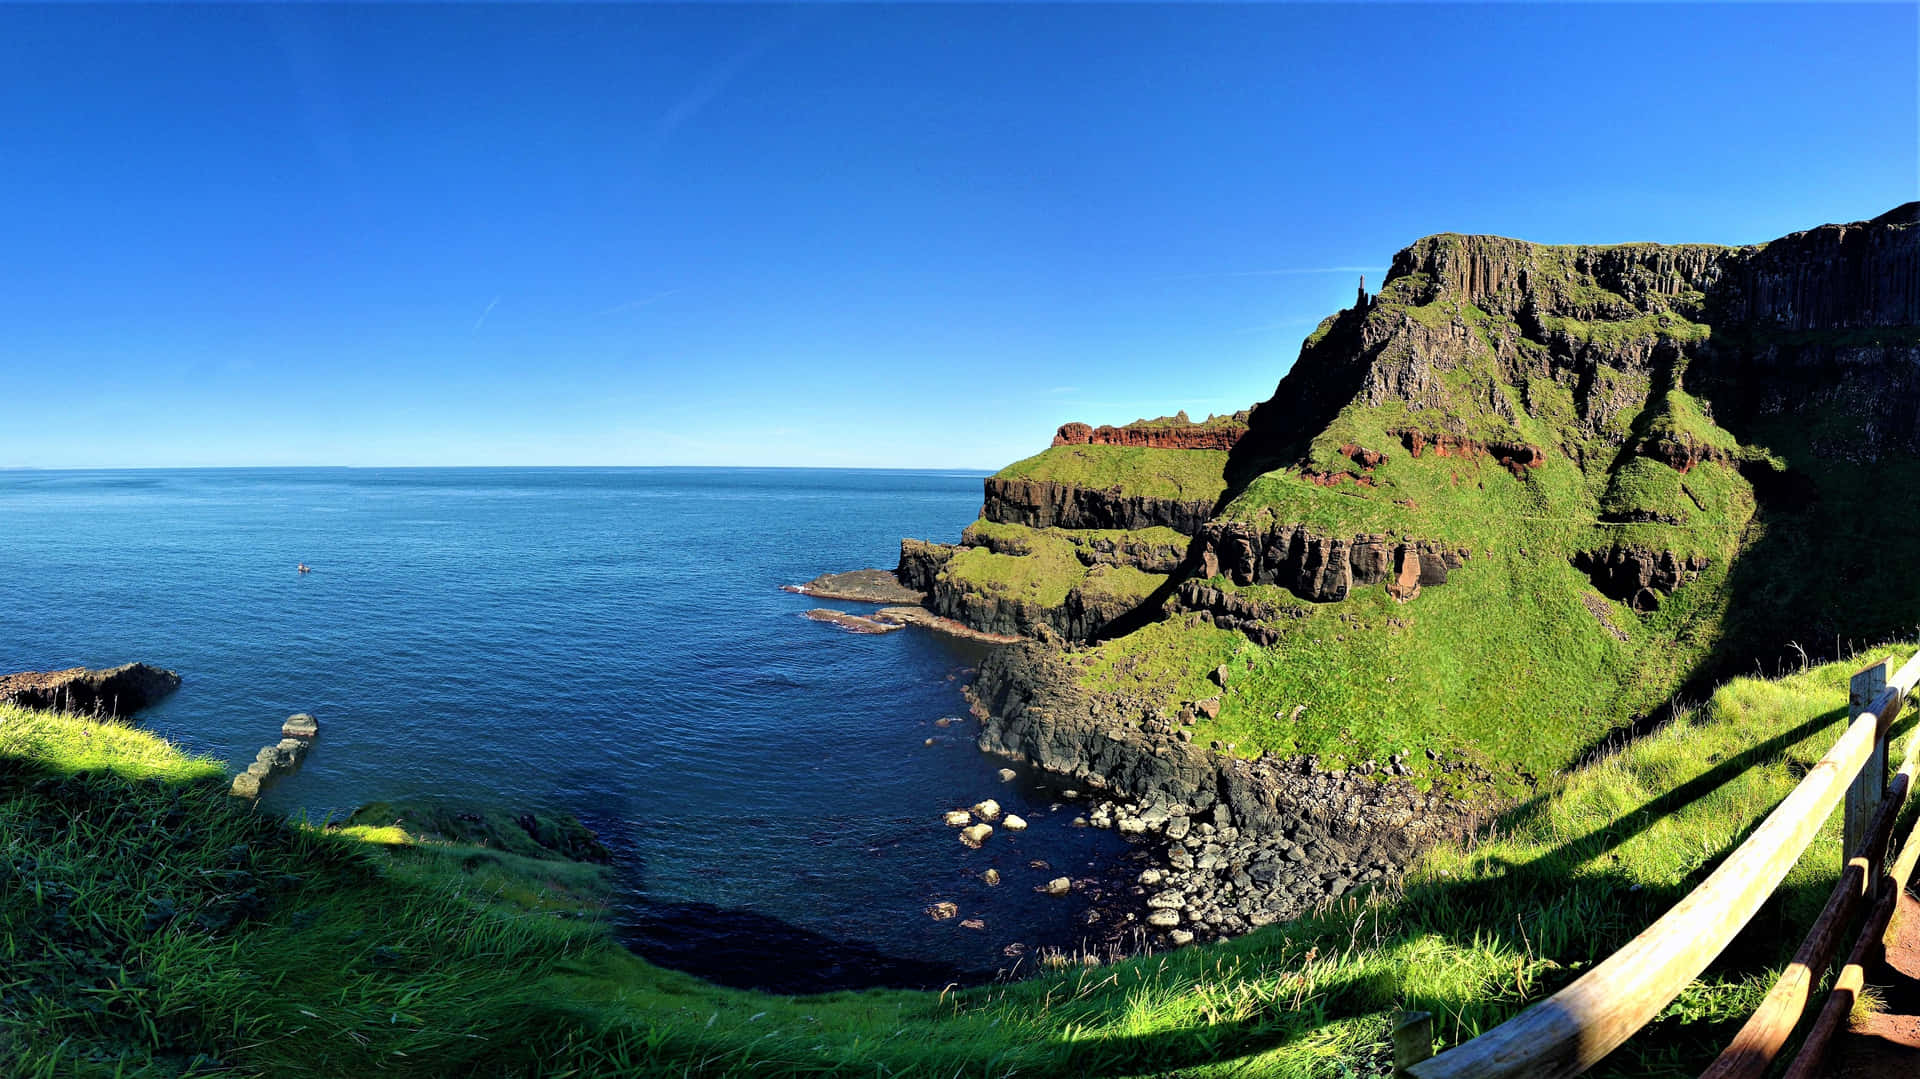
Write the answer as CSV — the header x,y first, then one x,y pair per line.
x,y
611,643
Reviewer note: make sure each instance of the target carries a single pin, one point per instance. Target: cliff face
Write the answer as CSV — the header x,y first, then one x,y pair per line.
x,y
1045,504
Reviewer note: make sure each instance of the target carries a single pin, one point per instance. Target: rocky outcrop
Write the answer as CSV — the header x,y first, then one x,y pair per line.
x,y
1170,434
1861,275
1636,576
1322,568
1231,610
921,562
860,586
1682,453
116,691
1249,841
1515,457
1086,610
1047,504
297,733
853,623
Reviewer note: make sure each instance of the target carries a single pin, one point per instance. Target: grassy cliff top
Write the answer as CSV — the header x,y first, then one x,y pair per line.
x,y
162,928
1191,475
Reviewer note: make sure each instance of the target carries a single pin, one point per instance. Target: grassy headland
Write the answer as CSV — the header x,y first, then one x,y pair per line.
x,y
155,926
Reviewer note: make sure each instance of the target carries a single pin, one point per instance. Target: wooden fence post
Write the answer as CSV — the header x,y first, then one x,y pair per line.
x,y
1412,1040
1863,796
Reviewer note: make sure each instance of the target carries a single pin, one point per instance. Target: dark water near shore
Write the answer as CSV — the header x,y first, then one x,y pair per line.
x,y
611,643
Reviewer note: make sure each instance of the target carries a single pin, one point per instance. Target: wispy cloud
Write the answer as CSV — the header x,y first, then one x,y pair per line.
x,y
477,323
1064,389
712,85
642,302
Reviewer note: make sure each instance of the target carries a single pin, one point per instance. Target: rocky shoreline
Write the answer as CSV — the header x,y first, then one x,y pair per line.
x,y
1222,844
1226,844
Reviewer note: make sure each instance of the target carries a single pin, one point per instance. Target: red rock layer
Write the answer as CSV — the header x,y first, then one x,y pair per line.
x,y
1514,457
1189,437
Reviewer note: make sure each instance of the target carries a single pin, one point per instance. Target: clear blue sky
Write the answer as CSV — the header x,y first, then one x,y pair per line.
x,y
830,234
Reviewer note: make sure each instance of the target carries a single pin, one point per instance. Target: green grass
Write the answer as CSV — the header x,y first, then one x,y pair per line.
x,y
1155,473
1019,539
1041,576
155,926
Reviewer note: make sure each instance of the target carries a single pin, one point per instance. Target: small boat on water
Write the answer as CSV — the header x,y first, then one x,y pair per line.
x,y
304,568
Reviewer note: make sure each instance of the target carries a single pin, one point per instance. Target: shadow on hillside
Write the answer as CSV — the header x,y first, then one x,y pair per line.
x,y
743,949
1326,377
1536,908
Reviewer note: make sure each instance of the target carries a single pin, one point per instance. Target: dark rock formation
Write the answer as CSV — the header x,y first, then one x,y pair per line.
x,y
297,733
1320,568
1515,457
1230,610
852,623
1080,617
921,562
1046,504
860,586
1682,453
117,691
1636,576
1250,842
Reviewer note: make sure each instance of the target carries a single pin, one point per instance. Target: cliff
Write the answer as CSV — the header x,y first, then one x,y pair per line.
x,y
1520,473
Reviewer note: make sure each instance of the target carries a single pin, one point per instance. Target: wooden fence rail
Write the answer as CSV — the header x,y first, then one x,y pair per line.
x,y
1573,1029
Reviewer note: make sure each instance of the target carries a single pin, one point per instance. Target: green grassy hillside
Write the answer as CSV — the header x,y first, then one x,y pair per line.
x,y
155,926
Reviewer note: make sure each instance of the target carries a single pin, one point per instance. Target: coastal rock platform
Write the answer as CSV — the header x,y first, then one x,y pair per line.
x,y
860,586
116,691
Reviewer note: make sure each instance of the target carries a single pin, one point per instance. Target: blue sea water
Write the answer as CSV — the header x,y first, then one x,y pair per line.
x,y
612,643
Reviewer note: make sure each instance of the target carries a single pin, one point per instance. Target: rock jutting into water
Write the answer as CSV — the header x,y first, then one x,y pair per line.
x,y
853,623
116,691
859,586
296,738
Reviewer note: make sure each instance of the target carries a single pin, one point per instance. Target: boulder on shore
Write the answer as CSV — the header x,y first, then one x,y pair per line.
x,y
975,835
116,691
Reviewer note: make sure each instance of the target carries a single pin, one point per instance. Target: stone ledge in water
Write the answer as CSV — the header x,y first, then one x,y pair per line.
x,y
296,737
859,586
117,691
920,616
852,623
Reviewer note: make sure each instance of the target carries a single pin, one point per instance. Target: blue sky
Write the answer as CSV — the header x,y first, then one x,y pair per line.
x,y
860,235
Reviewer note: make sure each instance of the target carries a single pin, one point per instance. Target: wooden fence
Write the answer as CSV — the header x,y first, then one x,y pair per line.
x,y
1572,1030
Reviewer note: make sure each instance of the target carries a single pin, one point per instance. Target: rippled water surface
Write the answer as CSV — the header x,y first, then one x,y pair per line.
x,y
607,642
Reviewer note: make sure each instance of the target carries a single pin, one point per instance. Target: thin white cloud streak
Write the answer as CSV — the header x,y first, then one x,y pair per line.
x,y
707,89
477,323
